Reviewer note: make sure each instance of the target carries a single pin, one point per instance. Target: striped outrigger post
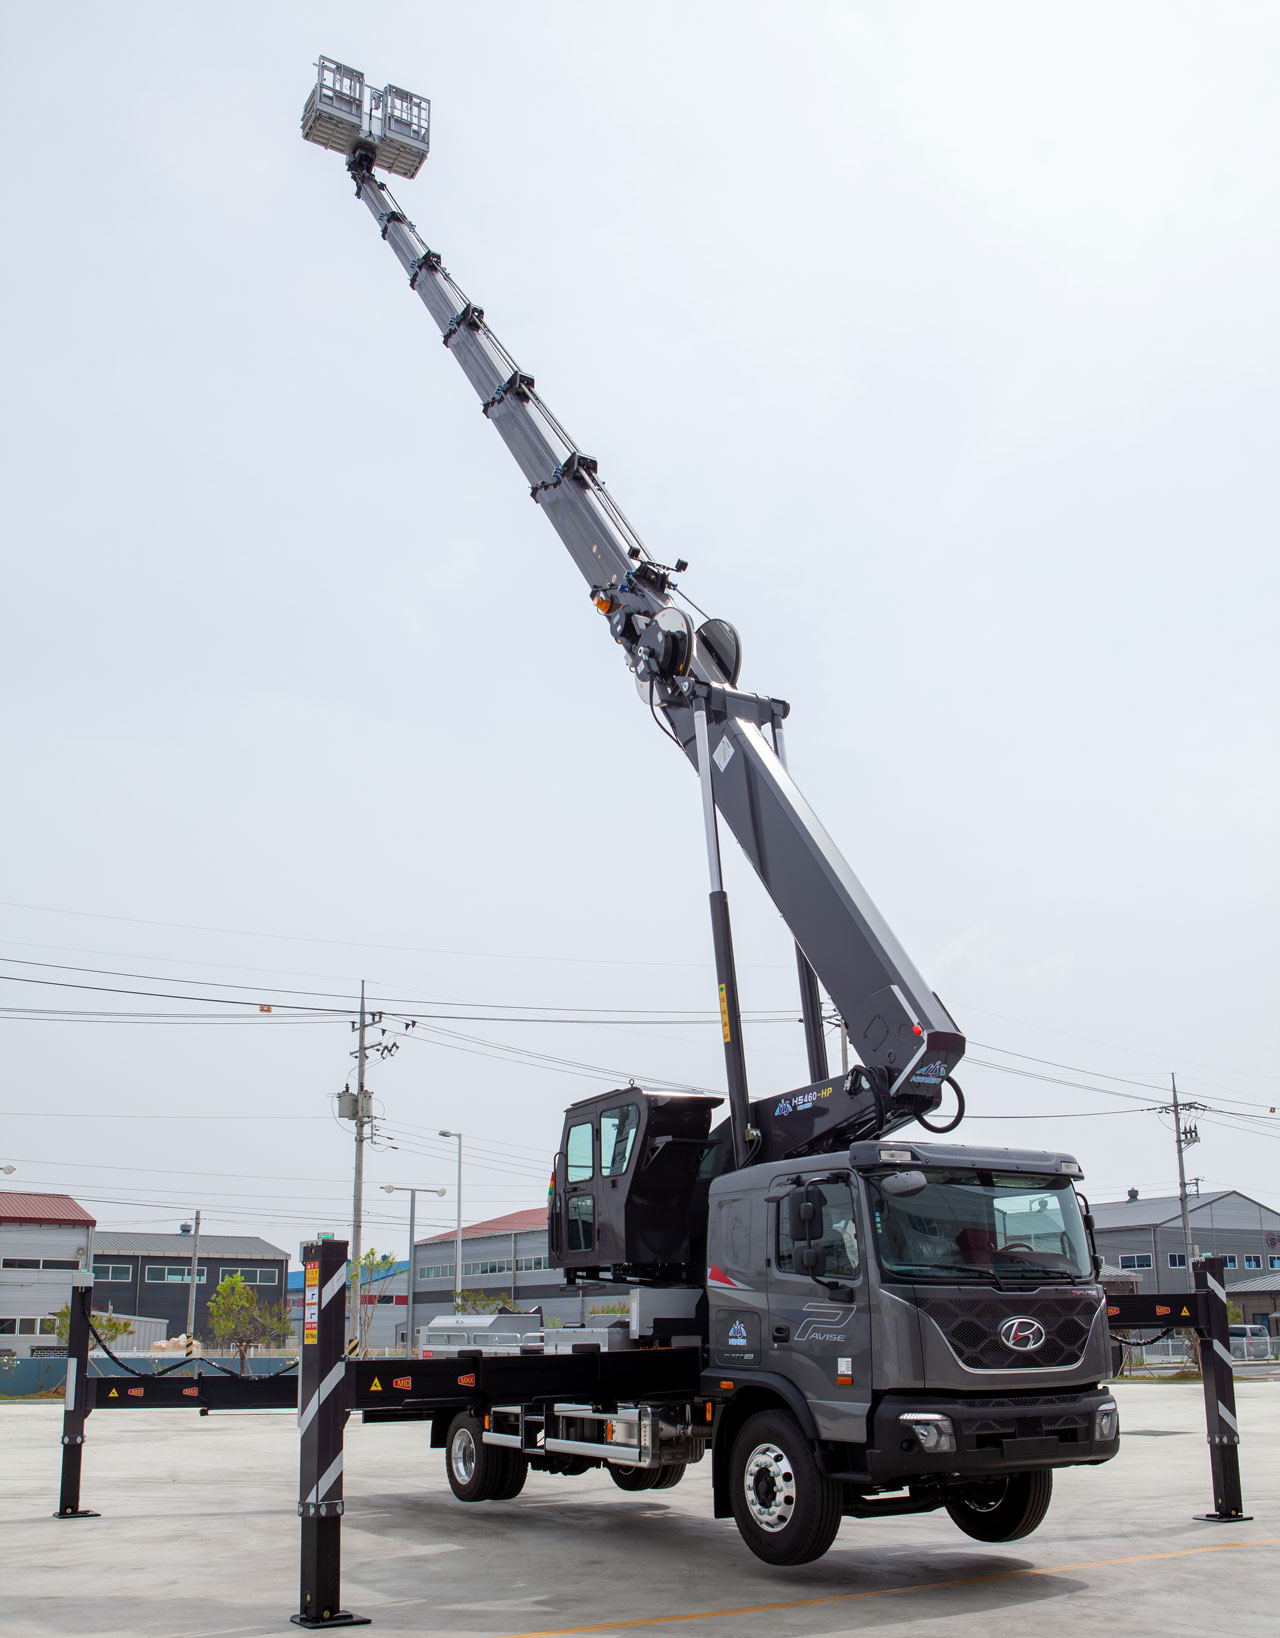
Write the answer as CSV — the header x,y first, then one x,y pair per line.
x,y
323,1407
1219,1396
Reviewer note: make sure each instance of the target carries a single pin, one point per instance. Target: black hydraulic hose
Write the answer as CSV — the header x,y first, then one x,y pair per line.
x,y
951,1125
266,1376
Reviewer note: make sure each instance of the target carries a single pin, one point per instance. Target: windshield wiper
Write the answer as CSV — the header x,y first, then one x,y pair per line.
x,y
1037,1268
954,1268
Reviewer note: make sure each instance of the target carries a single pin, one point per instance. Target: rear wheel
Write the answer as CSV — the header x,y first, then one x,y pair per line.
x,y
786,1508
1004,1510
479,1472
633,1478
667,1476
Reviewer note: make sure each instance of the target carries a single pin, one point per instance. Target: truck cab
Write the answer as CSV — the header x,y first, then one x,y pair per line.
x,y
928,1319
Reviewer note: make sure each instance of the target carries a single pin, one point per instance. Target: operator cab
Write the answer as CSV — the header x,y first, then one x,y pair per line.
x,y
629,1189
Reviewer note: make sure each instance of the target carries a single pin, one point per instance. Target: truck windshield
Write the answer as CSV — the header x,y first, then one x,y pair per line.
x,y
982,1225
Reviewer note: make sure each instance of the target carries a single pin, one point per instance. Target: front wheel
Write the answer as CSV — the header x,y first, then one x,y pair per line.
x,y
786,1508
1005,1509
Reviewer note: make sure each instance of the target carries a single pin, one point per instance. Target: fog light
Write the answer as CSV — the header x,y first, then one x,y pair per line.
x,y
935,1433
1106,1422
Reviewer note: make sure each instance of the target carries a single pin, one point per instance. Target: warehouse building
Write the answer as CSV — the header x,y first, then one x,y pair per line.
x,y
1143,1239
509,1257
150,1274
44,1239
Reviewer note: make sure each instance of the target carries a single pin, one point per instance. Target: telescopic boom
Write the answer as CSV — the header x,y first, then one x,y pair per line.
x,y
906,1040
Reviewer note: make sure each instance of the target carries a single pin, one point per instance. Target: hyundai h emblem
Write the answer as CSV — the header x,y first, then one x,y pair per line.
x,y
1022,1334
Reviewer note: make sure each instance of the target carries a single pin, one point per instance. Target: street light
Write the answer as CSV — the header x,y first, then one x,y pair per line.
x,y
390,1188
457,1242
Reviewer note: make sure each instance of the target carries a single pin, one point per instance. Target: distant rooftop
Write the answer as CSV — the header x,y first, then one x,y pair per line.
x,y
42,1208
1149,1210
180,1245
515,1222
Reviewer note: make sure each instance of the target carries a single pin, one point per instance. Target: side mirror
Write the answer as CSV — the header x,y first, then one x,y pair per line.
x,y
804,1213
1097,1265
560,1172
904,1183
812,1260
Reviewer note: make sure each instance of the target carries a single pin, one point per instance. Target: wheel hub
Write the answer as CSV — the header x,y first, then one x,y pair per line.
x,y
770,1487
462,1456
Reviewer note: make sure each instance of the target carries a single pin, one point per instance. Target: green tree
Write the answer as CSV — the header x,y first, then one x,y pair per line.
x,y
377,1269
238,1320
482,1302
108,1327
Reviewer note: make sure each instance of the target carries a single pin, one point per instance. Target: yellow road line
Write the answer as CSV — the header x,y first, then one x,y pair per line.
x,y
888,1592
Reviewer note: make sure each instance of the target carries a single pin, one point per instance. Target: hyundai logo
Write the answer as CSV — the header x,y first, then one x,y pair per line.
x,y
1022,1334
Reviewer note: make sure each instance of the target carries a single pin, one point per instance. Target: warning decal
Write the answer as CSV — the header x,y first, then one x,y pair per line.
x,y
375,1386
724,1013
114,1394
308,1335
402,1382
313,1273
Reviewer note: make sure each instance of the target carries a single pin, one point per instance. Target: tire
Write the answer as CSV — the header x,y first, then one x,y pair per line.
x,y
476,1471
670,1475
1006,1509
786,1508
634,1478
517,1471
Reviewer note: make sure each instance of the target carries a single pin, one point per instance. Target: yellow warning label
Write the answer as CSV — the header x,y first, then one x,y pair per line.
x,y
1185,1314
724,1014
114,1394
308,1335
313,1273
375,1386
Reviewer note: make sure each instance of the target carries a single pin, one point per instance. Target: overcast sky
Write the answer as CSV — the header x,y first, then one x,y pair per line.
x,y
939,339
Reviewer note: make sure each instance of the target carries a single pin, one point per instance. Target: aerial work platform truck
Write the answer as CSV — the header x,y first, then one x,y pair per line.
x,y
848,1321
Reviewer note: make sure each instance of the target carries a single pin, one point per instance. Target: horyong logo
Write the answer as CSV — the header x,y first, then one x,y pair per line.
x,y
738,1334
934,1073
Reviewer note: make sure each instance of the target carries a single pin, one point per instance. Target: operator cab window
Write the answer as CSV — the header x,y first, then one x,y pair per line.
x,y
579,1158
582,1222
617,1135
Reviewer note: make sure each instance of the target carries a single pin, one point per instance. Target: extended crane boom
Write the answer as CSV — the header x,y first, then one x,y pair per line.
x,y
907,1042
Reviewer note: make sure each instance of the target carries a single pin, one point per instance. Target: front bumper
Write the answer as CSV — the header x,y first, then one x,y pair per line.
x,y
1004,1433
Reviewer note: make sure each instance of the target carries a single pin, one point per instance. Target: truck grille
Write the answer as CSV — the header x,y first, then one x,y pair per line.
x,y
972,1330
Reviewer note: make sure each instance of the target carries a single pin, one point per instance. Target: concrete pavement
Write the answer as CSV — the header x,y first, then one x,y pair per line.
x,y
198,1539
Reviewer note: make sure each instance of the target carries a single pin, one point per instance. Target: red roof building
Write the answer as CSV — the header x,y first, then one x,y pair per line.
x,y
43,1210
515,1222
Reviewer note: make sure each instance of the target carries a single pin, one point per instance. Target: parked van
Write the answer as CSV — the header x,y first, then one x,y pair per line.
x,y
1249,1341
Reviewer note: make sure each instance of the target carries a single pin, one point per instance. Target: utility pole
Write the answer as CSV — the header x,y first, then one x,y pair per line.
x,y
457,1239
1184,1137
191,1289
357,1192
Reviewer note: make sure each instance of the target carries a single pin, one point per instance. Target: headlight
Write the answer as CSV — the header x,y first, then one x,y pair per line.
x,y
1106,1422
935,1433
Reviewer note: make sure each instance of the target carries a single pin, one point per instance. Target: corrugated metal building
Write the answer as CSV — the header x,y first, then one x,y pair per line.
x,y
508,1257
1143,1238
149,1274
44,1239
